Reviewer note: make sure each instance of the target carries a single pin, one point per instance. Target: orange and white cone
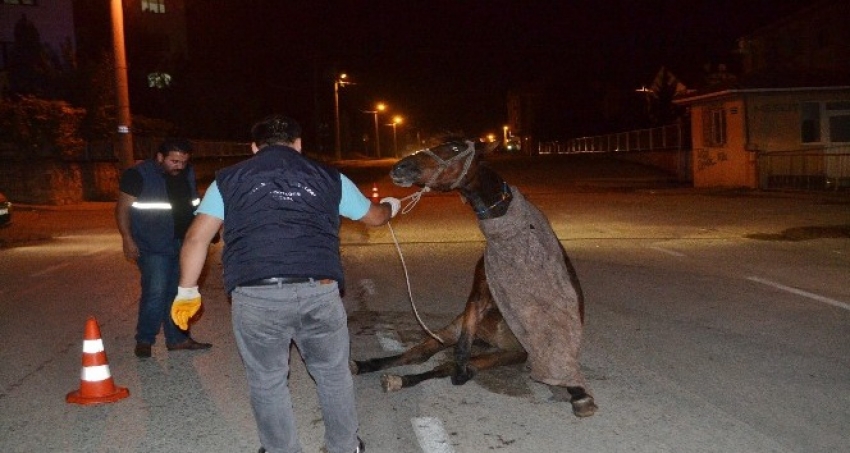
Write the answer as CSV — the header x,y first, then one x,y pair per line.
x,y
375,196
96,385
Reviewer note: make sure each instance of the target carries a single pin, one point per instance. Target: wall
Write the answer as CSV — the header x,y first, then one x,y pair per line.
x,y
729,164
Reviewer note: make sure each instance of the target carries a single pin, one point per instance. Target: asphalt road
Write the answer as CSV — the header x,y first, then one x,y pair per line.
x,y
717,321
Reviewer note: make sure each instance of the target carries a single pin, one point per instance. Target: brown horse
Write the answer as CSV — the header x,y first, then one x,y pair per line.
x,y
534,315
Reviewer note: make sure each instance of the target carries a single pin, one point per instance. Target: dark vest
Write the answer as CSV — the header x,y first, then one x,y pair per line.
x,y
151,218
281,218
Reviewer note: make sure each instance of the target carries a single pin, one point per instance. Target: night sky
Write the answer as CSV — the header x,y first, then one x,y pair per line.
x,y
448,65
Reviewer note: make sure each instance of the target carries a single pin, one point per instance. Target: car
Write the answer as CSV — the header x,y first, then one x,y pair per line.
x,y
5,210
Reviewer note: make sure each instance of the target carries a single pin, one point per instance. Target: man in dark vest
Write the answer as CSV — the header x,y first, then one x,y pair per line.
x,y
282,267
156,203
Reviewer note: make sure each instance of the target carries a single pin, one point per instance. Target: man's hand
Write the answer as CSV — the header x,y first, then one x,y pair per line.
x,y
186,304
395,205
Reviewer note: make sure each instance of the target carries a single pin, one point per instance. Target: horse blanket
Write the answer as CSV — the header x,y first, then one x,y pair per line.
x,y
531,285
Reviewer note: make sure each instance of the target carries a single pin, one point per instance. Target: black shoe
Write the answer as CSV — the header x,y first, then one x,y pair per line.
x,y
261,450
143,350
189,344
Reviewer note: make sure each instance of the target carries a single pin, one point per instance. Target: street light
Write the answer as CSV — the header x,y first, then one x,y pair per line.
x,y
380,107
505,134
338,82
396,121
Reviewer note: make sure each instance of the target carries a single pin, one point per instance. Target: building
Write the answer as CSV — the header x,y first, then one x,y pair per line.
x,y
785,120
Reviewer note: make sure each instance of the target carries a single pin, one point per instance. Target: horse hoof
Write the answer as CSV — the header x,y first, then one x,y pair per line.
x,y
461,378
352,366
584,407
391,382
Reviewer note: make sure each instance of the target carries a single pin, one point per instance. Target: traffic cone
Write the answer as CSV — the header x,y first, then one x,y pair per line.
x,y
375,195
96,385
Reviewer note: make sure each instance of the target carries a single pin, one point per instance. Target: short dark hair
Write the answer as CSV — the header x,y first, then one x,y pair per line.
x,y
181,145
275,130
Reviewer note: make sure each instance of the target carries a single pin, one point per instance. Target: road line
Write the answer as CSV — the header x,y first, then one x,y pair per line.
x,y
667,251
389,341
431,435
800,292
51,269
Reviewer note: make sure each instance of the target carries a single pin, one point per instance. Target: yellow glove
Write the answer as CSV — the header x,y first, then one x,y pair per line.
x,y
186,304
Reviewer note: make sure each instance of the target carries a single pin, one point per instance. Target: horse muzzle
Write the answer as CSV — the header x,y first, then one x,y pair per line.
x,y
405,173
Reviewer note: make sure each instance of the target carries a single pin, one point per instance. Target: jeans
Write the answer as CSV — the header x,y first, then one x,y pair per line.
x,y
266,319
160,276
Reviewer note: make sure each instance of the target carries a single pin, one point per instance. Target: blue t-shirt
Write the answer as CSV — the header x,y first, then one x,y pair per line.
x,y
353,204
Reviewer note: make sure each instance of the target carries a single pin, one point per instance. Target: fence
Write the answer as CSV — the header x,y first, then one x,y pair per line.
x,y
666,147
810,169
669,137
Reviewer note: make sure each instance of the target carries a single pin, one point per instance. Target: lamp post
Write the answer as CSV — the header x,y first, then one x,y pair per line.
x,y
396,121
124,149
380,107
338,82
505,135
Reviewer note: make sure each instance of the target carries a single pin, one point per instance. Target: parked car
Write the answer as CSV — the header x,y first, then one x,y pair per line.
x,y
5,210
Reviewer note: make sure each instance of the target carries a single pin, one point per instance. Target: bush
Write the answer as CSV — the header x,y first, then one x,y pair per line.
x,y
41,128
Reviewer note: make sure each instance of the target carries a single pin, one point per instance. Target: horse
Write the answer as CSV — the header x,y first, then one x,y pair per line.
x,y
498,314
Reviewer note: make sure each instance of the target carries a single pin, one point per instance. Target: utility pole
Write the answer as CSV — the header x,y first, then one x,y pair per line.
x,y
124,144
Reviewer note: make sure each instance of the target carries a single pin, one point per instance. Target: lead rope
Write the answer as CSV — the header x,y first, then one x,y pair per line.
x,y
409,291
414,198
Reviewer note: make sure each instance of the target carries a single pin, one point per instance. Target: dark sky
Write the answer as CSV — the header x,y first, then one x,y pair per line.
x,y
448,65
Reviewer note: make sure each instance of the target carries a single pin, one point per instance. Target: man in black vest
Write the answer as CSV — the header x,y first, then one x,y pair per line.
x,y
156,204
282,267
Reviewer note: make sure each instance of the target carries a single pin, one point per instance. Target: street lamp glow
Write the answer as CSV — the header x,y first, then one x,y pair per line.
x,y
340,80
379,107
396,121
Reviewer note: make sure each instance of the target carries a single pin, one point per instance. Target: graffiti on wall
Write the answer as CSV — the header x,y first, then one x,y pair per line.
x,y
707,158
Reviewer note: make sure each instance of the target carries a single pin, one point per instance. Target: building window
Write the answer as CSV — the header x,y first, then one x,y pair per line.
x,y
153,6
159,80
827,122
839,121
810,122
714,127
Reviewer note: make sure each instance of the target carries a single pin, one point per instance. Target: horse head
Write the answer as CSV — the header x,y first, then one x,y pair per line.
x,y
445,167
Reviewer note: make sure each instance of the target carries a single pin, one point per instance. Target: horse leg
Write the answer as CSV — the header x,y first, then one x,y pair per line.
x,y
478,305
392,382
416,354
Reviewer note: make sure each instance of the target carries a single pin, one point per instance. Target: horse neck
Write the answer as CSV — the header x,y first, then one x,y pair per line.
x,y
487,193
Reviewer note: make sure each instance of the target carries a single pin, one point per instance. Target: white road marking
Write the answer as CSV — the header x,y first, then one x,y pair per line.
x,y
667,251
431,435
800,292
389,341
51,269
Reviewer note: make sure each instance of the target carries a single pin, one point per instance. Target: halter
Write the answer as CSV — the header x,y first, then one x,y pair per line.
x,y
468,153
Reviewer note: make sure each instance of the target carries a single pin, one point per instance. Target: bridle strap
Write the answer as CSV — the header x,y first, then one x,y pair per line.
x,y
469,153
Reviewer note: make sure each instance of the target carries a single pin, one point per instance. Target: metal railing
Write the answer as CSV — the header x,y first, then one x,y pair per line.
x,y
669,137
824,168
